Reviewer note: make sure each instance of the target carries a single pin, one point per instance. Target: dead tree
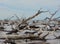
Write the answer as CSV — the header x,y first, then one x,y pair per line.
x,y
51,17
17,17
11,17
25,21
56,18
39,12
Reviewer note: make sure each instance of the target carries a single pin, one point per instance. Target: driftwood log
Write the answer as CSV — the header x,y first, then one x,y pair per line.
x,y
29,36
17,37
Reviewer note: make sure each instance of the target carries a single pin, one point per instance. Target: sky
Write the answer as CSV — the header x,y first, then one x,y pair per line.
x,y
27,8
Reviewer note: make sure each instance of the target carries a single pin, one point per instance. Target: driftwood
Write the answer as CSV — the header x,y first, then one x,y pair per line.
x,y
52,15
27,36
17,37
39,12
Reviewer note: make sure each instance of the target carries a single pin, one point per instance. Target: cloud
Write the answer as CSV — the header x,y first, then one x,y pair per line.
x,y
27,7
31,3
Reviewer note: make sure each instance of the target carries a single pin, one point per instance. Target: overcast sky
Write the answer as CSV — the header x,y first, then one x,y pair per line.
x,y
26,8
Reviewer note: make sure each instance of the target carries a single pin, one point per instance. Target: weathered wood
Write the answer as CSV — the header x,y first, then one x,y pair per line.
x,y
39,12
17,36
30,36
